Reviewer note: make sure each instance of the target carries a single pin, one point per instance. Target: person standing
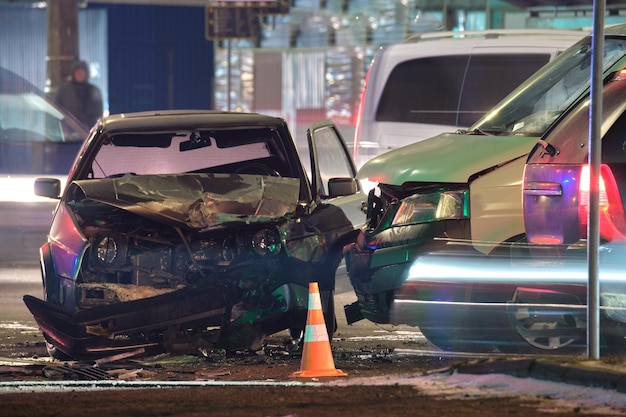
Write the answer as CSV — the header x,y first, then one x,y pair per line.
x,y
79,97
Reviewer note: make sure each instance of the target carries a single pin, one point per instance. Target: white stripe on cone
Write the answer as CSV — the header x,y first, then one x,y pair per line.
x,y
315,302
316,333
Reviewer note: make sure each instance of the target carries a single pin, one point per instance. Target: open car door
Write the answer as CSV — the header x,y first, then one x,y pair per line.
x,y
333,173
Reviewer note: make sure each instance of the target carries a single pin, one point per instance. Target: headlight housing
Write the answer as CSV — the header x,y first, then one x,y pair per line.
x,y
266,242
109,250
426,208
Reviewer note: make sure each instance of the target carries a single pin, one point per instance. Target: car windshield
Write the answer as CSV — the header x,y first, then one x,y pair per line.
x,y
532,108
245,151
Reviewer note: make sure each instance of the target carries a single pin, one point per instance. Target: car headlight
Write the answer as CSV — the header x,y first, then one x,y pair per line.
x,y
425,208
266,242
109,250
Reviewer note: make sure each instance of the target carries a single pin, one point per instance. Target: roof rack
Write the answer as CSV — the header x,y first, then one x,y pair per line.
x,y
489,34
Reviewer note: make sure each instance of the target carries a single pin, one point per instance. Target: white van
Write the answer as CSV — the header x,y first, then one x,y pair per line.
x,y
444,81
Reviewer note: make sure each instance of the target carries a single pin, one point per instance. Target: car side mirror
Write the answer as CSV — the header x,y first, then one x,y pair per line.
x,y
48,187
338,187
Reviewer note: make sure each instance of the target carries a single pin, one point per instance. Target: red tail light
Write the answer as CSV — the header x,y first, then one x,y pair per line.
x,y
612,217
359,114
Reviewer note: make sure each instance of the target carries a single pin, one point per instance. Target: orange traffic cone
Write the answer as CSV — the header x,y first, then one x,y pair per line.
x,y
317,358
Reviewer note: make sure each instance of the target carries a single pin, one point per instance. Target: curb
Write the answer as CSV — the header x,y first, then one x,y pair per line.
x,y
569,373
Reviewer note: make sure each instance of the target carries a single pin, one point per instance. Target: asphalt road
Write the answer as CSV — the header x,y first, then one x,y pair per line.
x,y
392,370
15,282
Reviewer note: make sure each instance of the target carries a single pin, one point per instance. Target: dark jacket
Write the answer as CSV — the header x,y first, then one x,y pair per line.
x,y
82,99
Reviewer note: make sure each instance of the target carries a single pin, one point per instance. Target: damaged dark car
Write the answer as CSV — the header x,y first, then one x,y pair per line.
x,y
184,230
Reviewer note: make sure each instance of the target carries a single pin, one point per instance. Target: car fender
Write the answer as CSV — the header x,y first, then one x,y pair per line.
x,y
496,206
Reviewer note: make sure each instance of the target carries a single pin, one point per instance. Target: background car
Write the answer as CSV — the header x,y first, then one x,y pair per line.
x,y
463,191
37,138
187,229
536,300
442,81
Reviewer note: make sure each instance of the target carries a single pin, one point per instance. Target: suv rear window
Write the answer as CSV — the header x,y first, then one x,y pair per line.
x,y
427,90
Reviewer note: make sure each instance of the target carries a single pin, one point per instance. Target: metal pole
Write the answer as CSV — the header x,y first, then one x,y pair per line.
x,y
595,147
228,75
62,41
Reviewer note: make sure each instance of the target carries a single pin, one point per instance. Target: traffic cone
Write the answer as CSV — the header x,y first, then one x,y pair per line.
x,y
317,358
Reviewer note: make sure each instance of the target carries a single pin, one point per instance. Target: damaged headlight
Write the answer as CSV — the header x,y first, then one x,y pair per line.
x,y
266,242
425,208
110,250
106,250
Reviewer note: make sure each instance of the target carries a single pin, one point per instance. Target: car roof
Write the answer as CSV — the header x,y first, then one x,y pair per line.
x,y
11,83
498,34
501,41
459,41
450,43
184,120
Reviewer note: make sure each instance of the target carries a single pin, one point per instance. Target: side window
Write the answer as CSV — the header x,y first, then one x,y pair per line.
x,y
571,135
331,157
424,90
490,78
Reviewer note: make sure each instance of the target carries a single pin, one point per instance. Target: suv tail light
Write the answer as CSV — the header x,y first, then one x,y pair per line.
x,y
612,217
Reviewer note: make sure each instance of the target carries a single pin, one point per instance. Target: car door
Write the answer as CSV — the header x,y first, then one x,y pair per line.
x,y
333,173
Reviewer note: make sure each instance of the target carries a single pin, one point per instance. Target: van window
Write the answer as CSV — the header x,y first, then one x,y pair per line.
x,y
490,78
423,90
432,90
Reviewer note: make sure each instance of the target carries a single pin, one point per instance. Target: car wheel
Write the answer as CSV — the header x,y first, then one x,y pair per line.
x,y
523,345
330,318
296,333
55,353
525,324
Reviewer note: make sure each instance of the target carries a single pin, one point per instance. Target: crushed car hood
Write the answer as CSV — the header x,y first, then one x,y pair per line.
x,y
445,158
197,200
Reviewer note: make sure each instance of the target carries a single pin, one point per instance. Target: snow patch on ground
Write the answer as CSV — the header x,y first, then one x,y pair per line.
x,y
556,396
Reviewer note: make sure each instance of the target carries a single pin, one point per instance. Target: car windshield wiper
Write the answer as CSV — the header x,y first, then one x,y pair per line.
x,y
474,132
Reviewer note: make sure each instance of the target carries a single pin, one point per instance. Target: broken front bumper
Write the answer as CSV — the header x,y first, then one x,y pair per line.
x,y
160,323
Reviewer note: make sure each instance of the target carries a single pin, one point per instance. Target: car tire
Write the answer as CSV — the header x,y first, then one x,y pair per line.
x,y
55,353
521,345
529,327
330,318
